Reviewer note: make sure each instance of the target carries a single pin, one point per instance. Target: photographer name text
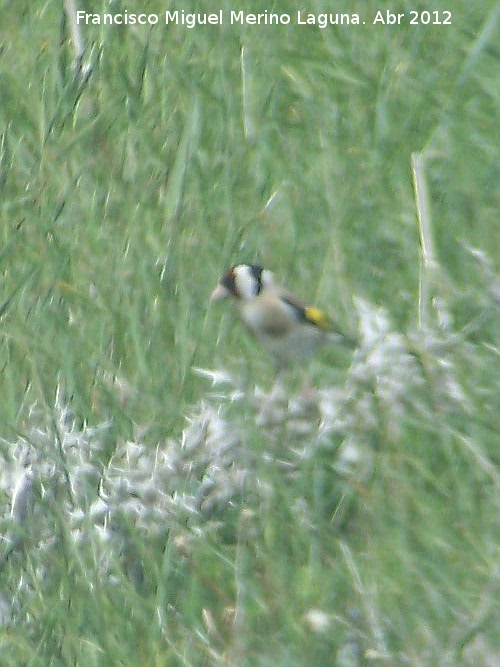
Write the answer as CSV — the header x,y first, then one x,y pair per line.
x,y
301,18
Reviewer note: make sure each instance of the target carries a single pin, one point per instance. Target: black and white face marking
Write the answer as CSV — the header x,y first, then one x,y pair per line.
x,y
250,280
243,281
247,280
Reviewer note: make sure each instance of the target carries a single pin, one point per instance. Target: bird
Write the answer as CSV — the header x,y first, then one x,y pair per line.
x,y
287,327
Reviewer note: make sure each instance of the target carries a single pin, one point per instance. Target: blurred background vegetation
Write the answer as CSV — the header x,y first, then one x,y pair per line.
x,y
129,182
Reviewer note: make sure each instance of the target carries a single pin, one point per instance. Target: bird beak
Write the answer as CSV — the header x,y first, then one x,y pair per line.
x,y
220,292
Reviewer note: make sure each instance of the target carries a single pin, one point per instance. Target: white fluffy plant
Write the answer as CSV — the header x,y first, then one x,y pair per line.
x,y
60,474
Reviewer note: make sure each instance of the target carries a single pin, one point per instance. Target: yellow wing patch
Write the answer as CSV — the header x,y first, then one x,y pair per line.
x,y
317,317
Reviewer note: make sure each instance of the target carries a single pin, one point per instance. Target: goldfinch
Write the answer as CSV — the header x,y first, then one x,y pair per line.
x,y
288,328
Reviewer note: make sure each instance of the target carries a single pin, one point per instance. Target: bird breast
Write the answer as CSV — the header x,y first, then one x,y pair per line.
x,y
268,316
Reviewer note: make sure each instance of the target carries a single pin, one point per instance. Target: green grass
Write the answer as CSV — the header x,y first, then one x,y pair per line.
x,y
151,517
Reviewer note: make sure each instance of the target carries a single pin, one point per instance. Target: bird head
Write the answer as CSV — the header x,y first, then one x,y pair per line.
x,y
243,282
